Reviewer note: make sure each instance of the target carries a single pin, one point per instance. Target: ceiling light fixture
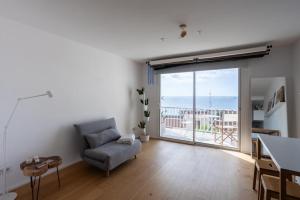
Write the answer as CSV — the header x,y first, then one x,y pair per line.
x,y
183,33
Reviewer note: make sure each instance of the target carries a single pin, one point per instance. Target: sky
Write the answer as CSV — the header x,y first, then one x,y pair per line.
x,y
223,82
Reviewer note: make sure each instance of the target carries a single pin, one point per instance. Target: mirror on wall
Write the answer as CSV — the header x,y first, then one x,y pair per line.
x,y
269,106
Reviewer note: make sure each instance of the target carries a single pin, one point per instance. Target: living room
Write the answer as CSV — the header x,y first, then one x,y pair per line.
x,y
72,63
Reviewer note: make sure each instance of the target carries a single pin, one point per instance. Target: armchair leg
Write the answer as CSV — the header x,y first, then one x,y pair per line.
x,y
107,173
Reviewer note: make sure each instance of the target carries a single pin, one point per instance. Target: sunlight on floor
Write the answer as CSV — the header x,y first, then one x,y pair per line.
x,y
242,156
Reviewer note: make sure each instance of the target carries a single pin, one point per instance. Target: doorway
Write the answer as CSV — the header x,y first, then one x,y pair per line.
x,y
201,107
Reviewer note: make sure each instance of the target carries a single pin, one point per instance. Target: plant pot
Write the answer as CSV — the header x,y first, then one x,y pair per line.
x,y
142,131
139,131
144,138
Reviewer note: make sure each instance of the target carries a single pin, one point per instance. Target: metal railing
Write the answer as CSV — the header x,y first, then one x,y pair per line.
x,y
205,119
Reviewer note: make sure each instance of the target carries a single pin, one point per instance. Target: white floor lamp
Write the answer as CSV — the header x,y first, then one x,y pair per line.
x,y
5,194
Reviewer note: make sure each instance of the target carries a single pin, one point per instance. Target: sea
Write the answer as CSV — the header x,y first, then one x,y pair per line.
x,y
202,102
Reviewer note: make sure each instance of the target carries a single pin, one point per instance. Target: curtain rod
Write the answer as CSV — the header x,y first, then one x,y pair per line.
x,y
245,53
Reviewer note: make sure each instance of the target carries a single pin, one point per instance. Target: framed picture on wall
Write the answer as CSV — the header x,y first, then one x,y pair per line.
x,y
280,97
269,105
273,99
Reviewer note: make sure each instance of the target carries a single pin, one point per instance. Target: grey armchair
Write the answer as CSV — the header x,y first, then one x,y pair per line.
x,y
109,155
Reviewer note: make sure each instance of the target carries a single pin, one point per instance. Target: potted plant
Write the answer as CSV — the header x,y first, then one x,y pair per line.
x,y
144,136
142,126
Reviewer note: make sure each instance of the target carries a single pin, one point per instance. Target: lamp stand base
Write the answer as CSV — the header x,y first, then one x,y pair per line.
x,y
8,196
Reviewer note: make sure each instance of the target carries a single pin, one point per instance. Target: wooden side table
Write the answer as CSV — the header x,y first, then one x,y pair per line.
x,y
53,162
36,169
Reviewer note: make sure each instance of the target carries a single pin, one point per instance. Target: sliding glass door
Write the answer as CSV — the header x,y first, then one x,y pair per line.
x,y
217,103
201,107
176,106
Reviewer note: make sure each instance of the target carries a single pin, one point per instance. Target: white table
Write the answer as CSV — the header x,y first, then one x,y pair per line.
x,y
285,153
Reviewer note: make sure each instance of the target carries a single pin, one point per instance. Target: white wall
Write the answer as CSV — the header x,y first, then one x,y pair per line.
x,y
278,63
277,119
87,84
296,91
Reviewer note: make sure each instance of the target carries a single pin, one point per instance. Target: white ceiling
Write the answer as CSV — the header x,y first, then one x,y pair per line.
x,y
133,28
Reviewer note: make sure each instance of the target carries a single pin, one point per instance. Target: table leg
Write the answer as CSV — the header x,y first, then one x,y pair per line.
x,y
258,149
32,188
282,186
58,178
38,189
35,194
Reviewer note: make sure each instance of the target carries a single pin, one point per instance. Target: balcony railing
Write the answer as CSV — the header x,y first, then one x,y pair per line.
x,y
220,124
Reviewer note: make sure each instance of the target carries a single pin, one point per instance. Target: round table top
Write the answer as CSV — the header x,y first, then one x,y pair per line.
x,y
34,170
41,167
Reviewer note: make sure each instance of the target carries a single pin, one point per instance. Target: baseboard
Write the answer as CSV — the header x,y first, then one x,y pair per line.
x,y
154,137
25,182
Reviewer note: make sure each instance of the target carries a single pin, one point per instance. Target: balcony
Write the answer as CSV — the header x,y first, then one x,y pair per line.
x,y
212,126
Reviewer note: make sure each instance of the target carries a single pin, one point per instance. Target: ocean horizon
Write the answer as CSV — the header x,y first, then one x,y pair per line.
x,y
202,102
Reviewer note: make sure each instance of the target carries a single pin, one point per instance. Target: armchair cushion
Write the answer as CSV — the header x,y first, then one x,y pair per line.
x,y
92,127
114,153
97,139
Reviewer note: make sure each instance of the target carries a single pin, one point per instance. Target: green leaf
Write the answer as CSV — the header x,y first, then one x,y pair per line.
x,y
141,91
146,101
147,113
142,125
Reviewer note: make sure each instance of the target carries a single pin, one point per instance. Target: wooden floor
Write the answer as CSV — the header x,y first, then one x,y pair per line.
x,y
164,170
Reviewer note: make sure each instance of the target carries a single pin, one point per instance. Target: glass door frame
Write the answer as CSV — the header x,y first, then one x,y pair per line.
x,y
194,142
159,113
